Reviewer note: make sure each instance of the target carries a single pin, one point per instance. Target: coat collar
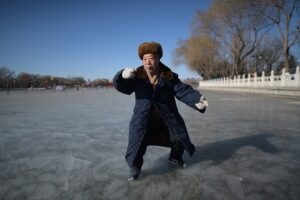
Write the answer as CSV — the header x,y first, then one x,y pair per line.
x,y
164,72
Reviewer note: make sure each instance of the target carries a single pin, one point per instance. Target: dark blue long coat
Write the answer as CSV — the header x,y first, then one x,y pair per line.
x,y
160,99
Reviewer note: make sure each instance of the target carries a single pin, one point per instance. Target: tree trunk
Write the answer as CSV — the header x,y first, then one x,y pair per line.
x,y
286,59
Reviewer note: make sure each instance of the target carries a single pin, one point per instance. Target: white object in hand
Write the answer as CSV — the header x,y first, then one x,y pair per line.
x,y
128,73
203,103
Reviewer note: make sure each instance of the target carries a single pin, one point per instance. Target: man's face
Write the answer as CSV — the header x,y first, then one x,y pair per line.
x,y
151,63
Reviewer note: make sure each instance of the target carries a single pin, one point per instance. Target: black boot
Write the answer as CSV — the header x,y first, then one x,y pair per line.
x,y
133,174
177,161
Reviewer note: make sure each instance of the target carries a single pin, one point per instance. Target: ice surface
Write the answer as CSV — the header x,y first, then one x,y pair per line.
x,y
71,145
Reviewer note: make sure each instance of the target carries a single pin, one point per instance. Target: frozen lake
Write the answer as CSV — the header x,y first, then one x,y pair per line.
x,y
71,145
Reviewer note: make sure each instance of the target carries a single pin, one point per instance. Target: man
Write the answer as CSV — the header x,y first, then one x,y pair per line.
x,y
156,120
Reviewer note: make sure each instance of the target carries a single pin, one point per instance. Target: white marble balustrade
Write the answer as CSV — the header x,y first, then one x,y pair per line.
x,y
252,80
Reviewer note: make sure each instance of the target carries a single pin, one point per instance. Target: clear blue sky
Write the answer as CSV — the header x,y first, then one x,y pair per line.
x,y
92,39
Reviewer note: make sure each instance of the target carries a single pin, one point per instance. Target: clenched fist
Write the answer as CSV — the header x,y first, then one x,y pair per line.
x,y
202,104
128,73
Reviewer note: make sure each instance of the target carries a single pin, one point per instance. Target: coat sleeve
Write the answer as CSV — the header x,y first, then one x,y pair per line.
x,y
186,93
126,86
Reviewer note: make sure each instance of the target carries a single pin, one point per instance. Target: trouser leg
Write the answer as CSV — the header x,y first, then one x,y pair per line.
x,y
138,162
177,148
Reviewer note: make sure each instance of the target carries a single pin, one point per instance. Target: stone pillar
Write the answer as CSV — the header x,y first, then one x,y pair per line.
x,y
282,82
263,79
234,80
255,79
272,78
249,79
297,76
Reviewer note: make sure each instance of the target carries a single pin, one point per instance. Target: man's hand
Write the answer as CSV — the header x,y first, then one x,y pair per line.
x,y
202,104
128,73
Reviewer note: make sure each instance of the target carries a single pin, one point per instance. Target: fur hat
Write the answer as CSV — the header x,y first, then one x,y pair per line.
x,y
150,47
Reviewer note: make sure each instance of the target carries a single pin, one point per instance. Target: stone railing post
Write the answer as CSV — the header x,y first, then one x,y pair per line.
x,y
263,79
249,79
272,78
255,79
282,82
234,80
297,76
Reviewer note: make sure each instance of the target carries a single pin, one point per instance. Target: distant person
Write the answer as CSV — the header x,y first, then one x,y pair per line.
x,y
156,120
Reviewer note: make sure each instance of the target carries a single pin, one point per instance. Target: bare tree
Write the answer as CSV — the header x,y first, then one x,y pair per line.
x,y
268,55
284,14
236,25
6,76
199,54
25,80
